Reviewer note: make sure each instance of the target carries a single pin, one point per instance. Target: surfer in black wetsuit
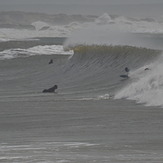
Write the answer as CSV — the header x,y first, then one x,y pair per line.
x,y
51,61
146,69
127,70
50,90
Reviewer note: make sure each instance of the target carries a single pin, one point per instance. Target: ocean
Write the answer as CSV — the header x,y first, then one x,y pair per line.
x,y
95,115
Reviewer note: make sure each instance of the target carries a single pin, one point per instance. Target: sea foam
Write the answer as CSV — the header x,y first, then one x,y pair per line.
x,y
147,88
37,50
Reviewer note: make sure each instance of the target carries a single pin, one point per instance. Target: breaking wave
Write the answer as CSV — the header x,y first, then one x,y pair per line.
x,y
147,88
100,67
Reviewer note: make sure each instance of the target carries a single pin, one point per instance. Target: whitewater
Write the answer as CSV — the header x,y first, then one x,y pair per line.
x,y
95,115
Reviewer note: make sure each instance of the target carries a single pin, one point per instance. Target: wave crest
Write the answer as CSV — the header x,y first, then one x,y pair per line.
x,y
121,54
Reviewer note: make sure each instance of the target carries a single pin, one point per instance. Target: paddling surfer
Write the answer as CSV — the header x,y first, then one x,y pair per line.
x,y
50,90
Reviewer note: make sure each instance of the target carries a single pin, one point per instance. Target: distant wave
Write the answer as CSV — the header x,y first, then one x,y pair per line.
x,y
67,25
136,25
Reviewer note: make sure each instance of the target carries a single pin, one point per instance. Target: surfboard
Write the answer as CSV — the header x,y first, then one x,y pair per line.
x,y
124,76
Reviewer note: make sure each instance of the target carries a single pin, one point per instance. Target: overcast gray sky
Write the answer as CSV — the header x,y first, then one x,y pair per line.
x,y
95,7
79,1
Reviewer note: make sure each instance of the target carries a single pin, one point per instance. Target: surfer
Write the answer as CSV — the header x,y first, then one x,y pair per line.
x,y
146,69
50,90
51,61
127,72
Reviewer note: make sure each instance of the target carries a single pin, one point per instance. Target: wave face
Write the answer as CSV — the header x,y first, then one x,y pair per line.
x,y
100,67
